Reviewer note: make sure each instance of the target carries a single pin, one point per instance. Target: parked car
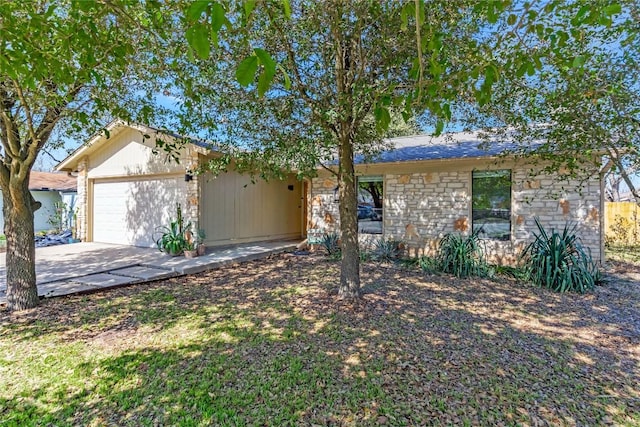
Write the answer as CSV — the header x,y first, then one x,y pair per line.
x,y
367,212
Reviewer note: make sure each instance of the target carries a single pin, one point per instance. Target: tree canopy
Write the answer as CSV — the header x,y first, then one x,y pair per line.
x,y
311,82
286,86
65,67
584,99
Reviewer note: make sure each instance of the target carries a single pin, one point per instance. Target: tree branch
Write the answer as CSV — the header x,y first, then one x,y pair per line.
x,y
297,76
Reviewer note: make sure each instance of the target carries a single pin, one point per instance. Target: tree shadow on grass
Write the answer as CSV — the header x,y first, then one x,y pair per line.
x,y
268,343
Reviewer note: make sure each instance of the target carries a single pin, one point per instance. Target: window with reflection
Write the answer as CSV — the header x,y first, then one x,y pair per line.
x,y
370,204
491,204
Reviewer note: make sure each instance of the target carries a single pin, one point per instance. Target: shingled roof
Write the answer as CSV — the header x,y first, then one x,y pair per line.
x,y
50,181
450,146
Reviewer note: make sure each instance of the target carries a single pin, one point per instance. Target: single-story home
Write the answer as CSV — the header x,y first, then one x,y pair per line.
x,y
416,193
53,191
126,192
429,186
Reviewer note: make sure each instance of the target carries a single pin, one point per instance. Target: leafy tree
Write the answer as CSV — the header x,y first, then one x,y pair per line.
x,y
348,65
64,67
312,76
584,100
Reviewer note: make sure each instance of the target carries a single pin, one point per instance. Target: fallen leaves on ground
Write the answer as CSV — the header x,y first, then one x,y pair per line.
x,y
269,343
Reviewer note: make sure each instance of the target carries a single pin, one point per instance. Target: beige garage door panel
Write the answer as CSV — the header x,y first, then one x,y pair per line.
x,y
236,210
129,212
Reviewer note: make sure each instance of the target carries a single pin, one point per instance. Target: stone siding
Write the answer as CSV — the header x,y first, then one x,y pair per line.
x,y
192,209
324,210
82,202
556,203
420,208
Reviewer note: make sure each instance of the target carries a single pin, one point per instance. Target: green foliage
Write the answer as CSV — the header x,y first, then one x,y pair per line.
x,y
64,67
349,66
172,241
173,238
583,68
516,272
331,243
461,255
429,265
386,250
559,262
58,215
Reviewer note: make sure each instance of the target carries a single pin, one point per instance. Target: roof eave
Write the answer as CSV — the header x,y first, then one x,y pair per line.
x,y
69,164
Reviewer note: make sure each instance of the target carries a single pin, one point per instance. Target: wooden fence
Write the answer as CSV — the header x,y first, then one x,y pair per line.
x,y
621,223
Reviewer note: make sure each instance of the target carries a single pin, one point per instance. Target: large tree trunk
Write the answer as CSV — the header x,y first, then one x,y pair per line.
x,y
350,269
18,208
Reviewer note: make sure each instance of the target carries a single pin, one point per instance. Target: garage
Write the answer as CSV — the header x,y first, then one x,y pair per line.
x,y
128,212
237,210
127,188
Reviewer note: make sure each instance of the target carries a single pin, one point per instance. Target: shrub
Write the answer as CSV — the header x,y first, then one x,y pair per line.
x,y
518,272
172,240
386,249
176,236
461,255
559,262
331,243
429,265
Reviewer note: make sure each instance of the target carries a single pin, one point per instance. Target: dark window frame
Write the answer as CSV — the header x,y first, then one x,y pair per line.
x,y
495,207
373,215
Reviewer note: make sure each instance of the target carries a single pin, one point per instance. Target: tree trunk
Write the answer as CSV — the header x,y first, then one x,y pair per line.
x,y
376,194
18,208
350,269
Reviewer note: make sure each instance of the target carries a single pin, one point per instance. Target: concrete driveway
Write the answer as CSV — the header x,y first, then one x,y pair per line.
x,y
83,267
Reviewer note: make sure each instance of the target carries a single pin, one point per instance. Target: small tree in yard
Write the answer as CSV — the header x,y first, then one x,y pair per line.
x,y
319,80
64,66
328,76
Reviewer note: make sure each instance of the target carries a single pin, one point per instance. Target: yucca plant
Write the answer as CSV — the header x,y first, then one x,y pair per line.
x,y
558,261
386,249
172,240
331,243
461,255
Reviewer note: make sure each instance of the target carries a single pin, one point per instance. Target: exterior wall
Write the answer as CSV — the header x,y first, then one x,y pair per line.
x,y
41,216
82,202
323,210
129,153
191,210
420,208
126,155
235,210
433,198
556,203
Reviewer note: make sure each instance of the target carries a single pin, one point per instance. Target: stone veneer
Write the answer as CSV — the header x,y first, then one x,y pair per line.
x,y
420,208
192,210
82,201
324,210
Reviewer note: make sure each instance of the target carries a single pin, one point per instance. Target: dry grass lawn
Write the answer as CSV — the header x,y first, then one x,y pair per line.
x,y
268,343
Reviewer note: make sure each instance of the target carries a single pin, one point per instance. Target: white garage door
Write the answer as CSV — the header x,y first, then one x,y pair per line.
x,y
130,212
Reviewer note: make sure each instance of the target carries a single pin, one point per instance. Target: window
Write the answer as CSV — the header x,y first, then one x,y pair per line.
x,y
491,204
370,201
